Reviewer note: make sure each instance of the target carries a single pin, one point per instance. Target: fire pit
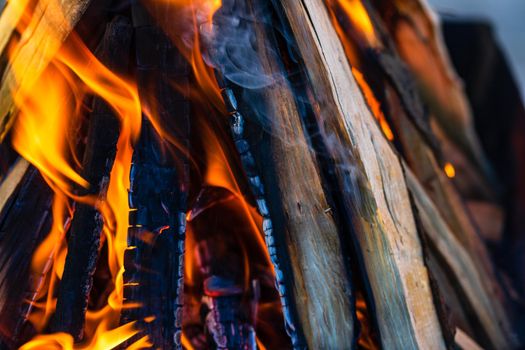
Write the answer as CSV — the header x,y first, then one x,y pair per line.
x,y
256,174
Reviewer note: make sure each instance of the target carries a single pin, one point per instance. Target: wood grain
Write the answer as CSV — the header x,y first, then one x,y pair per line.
x,y
386,232
472,281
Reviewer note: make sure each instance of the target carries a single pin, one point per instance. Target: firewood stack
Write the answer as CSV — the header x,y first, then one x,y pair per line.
x,y
244,174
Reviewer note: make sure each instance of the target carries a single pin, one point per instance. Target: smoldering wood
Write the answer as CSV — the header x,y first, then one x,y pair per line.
x,y
438,186
381,57
452,209
87,222
159,183
300,228
25,219
426,167
282,280
52,21
386,235
294,228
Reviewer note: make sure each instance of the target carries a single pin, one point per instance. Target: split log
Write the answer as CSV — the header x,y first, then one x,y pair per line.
x,y
386,234
385,69
159,182
415,29
25,219
470,282
87,222
10,16
51,23
451,208
298,220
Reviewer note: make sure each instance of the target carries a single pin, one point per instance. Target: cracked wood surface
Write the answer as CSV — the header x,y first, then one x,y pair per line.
x,y
374,187
326,315
472,281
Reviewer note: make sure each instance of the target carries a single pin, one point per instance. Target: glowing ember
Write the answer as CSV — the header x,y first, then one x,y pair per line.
x,y
449,170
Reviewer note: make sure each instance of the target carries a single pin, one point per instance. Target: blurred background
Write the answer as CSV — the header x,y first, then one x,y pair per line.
x,y
507,18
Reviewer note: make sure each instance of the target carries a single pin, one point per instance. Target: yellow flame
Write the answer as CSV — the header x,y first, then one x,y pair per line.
x,y
42,134
356,12
104,339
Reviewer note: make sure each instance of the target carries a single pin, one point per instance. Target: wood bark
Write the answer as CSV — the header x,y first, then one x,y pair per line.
x,y
159,182
386,234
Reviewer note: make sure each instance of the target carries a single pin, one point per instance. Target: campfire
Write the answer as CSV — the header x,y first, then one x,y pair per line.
x,y
247,174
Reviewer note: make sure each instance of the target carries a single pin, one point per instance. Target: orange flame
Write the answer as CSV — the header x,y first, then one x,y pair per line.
x,y
366,340
356,12
200,14
105,339
373,103
43,135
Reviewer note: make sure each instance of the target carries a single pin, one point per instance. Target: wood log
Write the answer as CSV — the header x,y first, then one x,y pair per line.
x,y
86,226
159,183
415,29
494,328
298,220
386,234
413,144
25,219
51,23
9,19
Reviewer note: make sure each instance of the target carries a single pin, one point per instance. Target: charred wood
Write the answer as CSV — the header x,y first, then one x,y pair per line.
x,y
300,228
159,184
86,226
25,195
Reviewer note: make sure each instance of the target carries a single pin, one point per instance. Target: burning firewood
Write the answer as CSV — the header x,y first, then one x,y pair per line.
x,y
87,222
47,29
240,175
